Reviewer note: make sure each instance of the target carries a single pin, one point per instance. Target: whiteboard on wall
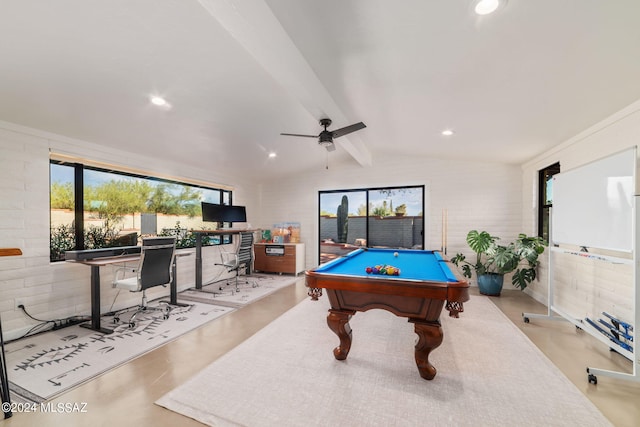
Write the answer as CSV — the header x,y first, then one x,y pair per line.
x,y
593,204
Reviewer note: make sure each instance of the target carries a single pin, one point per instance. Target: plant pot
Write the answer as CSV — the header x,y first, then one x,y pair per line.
x,y
490,284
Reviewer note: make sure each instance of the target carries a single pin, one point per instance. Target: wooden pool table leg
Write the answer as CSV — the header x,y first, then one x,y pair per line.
x,y
338,321
429,338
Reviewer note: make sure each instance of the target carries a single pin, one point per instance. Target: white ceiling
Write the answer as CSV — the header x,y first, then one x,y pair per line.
x,y
238,73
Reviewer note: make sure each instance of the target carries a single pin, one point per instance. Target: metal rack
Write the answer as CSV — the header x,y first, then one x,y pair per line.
x,y
621,346
4,379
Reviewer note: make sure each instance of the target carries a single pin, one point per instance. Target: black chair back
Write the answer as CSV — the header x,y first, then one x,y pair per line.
x,y
245,250
156,261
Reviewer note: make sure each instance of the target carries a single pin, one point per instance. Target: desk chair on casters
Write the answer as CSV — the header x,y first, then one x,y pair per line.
x,y
154,269
234,261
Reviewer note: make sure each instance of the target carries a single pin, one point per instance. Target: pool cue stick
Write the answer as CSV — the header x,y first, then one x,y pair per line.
x,y
442,233
446,226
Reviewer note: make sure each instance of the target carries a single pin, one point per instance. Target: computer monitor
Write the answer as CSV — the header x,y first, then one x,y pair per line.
x,y
223,213
236,214
212,212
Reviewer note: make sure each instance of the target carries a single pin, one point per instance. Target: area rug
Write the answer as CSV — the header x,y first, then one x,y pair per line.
x,y
45,365
224,292
489,374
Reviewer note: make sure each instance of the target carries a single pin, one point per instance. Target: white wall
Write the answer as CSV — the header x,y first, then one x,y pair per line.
x,y
58,290
494,197
476,195
584,287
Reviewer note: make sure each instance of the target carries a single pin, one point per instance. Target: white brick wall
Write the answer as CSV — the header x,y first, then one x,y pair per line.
x,y
494,197
476,195
58,290
584,287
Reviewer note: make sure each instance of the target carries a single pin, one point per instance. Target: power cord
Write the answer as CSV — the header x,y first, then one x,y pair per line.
x,y
49,324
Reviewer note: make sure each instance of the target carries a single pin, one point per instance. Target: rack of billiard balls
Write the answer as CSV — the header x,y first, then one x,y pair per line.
x,y
383,269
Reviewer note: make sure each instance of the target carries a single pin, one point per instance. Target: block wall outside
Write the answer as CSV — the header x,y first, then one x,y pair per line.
x,y
401,232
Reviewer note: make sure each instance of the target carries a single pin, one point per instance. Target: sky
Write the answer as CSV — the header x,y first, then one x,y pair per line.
x,y
64,174
412,197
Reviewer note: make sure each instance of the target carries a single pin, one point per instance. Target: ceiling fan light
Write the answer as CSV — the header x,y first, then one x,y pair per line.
x,y
485,7
325,139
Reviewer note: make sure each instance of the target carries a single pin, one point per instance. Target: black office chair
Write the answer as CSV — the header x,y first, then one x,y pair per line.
x,y
234,261
154,269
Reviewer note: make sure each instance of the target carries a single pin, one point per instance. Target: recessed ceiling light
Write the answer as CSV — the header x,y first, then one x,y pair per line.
x,y
447,132
485,7
158,101
272,155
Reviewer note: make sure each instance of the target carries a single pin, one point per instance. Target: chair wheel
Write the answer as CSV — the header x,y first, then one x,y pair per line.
x,y
165,317
116,320
132,325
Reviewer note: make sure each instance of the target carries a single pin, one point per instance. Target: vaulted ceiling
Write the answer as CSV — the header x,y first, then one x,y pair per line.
x,y
238,73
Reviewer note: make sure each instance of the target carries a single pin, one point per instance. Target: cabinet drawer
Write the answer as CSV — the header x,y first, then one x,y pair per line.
x,y
270,261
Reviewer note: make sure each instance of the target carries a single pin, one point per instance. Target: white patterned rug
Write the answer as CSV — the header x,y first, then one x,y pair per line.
x,y
489,374
45,365
224,292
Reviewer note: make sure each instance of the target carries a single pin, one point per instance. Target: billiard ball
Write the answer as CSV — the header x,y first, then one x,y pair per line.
x,y
368,270
395,254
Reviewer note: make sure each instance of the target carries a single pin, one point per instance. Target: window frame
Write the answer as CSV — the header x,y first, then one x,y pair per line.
x,y
544,208
366,191
79,169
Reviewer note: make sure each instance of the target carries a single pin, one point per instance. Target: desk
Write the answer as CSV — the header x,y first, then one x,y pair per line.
x,y
418,293
198,235
95,265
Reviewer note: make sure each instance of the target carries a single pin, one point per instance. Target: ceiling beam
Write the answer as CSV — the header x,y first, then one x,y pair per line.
x,y
258,31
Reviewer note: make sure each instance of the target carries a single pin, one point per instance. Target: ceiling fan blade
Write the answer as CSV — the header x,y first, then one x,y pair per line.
x,y
348,129
297,134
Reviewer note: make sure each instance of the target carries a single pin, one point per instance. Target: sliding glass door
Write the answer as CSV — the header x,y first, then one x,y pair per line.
x,y
374,217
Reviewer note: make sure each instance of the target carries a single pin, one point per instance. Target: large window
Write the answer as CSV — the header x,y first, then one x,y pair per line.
x,y
372,217
545,198
95,208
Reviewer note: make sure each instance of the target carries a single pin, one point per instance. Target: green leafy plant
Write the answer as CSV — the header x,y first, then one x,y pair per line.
x,y
184,237
519,257
62,239
343,220
96,237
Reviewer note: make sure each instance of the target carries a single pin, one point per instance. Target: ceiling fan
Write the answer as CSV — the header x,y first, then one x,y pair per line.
x,y
325,138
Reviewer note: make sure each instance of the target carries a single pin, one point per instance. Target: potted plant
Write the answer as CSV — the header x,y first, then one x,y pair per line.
x,y
401,210
494,260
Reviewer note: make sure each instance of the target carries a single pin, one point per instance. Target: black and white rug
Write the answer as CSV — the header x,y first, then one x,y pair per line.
x,y
45,365
250,289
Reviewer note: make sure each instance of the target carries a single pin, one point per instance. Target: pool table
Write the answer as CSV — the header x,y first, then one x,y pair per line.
x,y
425,282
